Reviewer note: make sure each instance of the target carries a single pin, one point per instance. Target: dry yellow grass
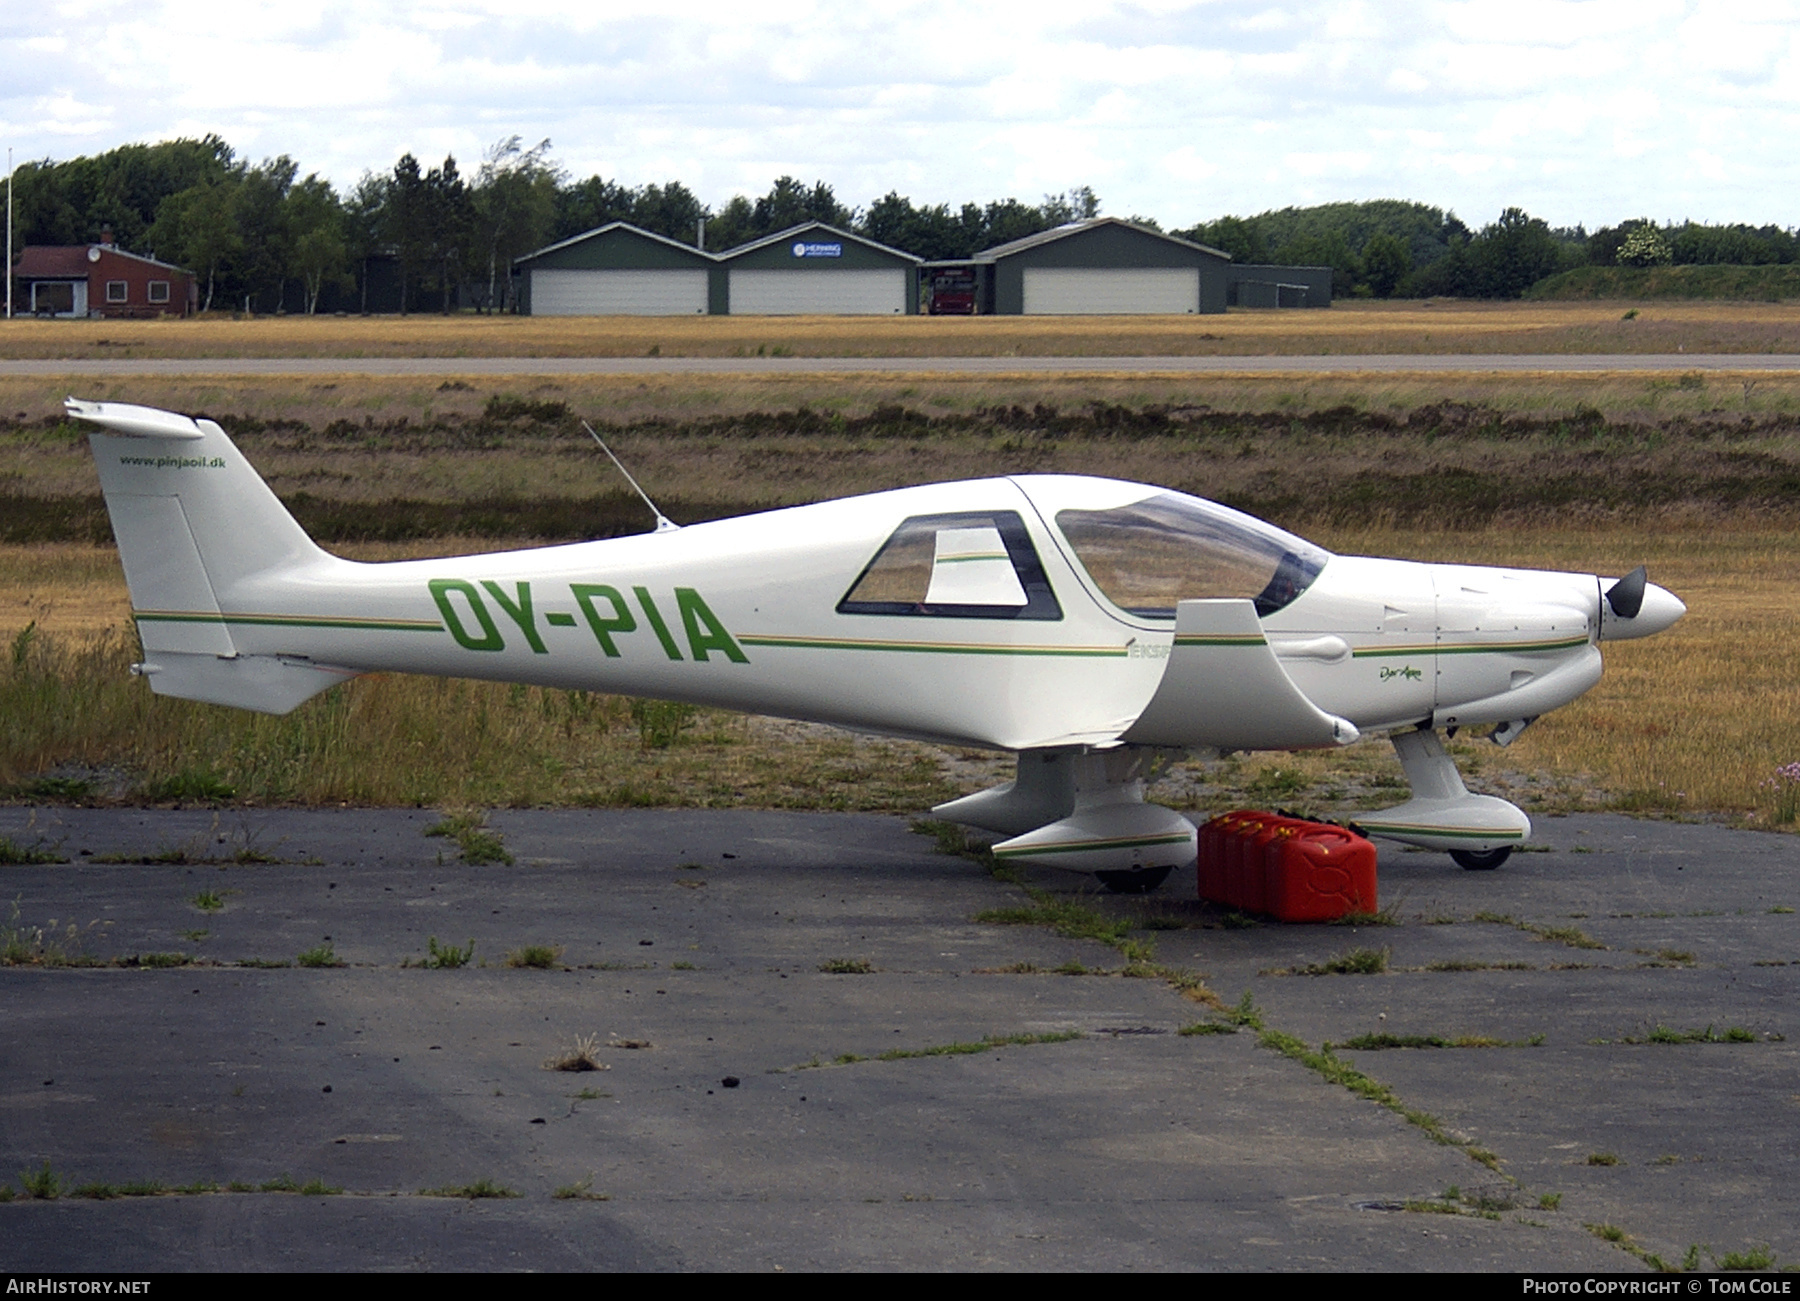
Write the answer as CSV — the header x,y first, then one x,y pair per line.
x,y
1348,327
1693,721
781,466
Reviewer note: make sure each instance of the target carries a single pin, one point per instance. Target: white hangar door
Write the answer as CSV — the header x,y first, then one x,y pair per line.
x,y
618,293
830,292
1092,291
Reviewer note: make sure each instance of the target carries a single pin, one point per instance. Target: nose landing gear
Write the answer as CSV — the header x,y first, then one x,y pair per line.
x,y
1479,831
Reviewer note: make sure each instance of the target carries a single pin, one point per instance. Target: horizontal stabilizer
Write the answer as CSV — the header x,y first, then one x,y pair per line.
x,y
1223,687
135,422
269,684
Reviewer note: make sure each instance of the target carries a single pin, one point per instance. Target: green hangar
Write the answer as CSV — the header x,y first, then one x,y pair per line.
x,y
819,269
1101,266
620,270
617,270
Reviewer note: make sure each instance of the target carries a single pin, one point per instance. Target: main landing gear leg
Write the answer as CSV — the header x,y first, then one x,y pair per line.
x,y
1083,810
1479,831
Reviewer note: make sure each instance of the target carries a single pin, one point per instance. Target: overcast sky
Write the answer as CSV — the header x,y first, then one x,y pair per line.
x,y
1590,112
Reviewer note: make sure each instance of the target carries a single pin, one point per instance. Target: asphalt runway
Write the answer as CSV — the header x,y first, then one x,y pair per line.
x,y
692,945
1373,364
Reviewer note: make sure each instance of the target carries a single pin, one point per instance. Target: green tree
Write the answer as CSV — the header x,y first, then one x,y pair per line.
x,y
514,199
671,211
198,229
1511,255
1386,263
1645,247
790,203
1234,235
265,250
318,242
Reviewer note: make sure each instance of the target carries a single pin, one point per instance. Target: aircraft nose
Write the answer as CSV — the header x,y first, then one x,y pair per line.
x,y
1660,609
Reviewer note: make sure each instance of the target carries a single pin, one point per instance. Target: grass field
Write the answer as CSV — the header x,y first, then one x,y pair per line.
x,y
391,459
1432,326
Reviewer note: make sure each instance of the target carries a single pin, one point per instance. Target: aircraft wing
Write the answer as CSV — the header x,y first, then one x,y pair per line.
x,y
1224,688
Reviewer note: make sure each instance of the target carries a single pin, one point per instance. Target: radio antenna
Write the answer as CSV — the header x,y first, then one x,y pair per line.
x,y
663,523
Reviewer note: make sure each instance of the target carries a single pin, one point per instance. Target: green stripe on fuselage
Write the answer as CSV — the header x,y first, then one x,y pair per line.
x,y
927,647
290,621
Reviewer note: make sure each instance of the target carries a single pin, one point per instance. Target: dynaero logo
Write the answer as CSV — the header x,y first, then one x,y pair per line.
x,y
804,249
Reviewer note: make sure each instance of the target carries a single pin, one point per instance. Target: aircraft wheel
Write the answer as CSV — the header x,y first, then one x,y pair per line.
x,y
1136,880
1481,860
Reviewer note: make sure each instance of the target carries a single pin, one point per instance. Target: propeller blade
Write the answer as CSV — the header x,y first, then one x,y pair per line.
x,y
1626,597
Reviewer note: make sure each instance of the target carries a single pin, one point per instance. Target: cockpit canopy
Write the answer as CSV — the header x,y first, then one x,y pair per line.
x,y
1168,547
1144,550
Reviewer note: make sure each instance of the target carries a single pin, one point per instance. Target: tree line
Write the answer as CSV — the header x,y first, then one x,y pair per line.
x,y
261,237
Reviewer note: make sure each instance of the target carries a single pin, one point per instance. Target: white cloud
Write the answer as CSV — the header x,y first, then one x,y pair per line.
x,y
1180,109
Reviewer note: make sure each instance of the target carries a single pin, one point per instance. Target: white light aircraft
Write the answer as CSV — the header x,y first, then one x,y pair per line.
x,y
1085,624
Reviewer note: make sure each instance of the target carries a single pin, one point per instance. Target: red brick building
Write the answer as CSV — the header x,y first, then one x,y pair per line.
x,y
97,281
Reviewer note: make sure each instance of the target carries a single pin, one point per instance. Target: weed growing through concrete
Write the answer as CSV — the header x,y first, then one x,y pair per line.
x,y
981,1046
321,956
581,1192
1357,962
580,1057
208,901
1732,1034
1388,916
987,1044
1206,1028
1337,1071
846,967
44,1184
1755,1258
1573,936
1073,920
445,957
536,957
468,828
46,945
1604,1159
1380,1042
14,853
481,1188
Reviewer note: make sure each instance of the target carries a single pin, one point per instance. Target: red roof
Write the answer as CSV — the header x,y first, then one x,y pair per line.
x,y
47,260
72,261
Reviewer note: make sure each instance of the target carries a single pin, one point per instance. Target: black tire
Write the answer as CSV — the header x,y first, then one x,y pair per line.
x,y
1135,880
1481,860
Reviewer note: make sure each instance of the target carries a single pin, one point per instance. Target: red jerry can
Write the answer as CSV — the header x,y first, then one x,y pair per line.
x,y
1217,845
1211,864
1258,843
1244,825
1319,874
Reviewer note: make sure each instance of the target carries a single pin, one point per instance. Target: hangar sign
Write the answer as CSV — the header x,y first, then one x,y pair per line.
x,y
804,249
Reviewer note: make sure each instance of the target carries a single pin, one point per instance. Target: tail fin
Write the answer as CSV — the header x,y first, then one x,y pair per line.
x,y
194,521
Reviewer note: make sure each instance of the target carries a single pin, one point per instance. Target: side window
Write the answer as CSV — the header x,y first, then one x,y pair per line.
x,y
159,291
118,291
977,565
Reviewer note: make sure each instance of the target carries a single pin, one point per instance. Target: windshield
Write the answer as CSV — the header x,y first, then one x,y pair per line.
x,y
1170,547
